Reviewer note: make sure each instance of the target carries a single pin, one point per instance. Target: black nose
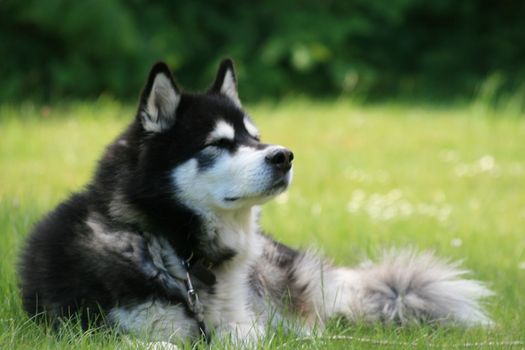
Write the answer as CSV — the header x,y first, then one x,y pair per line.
x,y
280,158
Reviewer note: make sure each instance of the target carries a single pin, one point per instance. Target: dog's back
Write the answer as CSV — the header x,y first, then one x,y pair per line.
x,y
55,278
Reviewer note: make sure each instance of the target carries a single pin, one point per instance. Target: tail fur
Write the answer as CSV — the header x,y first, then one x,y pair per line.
x,y
406,287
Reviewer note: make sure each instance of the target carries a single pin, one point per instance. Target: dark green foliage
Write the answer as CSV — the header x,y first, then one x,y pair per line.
x,y
443,48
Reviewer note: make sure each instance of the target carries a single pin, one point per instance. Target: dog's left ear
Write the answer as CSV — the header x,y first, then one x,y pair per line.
x,y
225,82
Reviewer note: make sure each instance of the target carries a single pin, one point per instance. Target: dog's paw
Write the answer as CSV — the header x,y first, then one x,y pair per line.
x,y
161,345
132,343
240,335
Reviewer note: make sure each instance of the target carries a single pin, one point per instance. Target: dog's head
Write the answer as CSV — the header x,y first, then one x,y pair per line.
x,y
204,148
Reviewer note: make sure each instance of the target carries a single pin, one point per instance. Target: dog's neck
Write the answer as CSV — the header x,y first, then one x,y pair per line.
x,y
215,236
232,233
241,220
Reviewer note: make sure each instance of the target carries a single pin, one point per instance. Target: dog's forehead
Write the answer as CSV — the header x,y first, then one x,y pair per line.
x,y
210,113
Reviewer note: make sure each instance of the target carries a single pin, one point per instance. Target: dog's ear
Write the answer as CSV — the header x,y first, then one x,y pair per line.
x,y
225,82
159,99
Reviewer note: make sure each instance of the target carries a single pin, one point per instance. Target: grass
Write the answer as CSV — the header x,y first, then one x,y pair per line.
x,y
449,179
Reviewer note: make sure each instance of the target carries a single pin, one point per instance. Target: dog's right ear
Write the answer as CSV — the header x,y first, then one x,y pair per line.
x,y
159,100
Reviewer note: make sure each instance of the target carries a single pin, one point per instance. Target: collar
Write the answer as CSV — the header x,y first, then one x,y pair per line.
x,y
201,269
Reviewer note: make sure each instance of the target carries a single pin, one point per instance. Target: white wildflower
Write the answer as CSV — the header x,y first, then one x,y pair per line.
x,y
405,209
440,196
444,213
487,163
282,198
456,242
449,156
316,209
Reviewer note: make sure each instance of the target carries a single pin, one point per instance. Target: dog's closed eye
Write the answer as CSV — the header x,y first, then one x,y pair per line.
x,y
221,143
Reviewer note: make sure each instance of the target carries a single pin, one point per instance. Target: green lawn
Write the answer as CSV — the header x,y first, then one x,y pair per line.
x,y
448,179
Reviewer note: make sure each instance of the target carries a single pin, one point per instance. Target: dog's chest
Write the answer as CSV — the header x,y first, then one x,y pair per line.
x,y
229,301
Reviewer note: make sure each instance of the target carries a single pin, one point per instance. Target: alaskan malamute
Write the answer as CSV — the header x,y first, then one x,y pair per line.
x,y
164,242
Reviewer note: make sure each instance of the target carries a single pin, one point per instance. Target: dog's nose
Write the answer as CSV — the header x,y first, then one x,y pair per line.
x,y
280,158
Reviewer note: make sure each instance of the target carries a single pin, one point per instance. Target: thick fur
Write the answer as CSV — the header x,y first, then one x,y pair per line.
x,y
184,182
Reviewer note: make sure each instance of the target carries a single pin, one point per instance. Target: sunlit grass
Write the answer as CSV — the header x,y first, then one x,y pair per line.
x,y
449,179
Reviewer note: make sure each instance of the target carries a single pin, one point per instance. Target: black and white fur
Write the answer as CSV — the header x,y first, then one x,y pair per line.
x,y
184,181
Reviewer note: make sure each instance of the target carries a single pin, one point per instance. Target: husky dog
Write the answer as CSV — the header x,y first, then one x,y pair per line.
x,y
164,242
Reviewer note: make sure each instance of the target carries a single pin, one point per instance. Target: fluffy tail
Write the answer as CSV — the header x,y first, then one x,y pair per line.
x,y
406,287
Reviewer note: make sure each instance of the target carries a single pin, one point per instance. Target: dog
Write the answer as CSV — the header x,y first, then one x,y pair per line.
x,y
164,242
